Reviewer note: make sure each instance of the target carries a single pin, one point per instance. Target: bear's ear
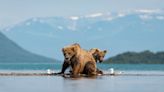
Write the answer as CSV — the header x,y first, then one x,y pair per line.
x,y
76,44
105,51
62,49
74,48
97,50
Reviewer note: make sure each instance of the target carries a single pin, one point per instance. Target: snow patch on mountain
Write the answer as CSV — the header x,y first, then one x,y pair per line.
x,y
72,22
121,14
149,11
74,17
94,15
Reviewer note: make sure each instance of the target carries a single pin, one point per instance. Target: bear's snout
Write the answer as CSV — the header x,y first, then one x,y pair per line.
x,y
101,59
67,58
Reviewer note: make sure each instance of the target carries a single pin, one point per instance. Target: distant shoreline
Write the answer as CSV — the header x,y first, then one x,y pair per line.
x,y
144,57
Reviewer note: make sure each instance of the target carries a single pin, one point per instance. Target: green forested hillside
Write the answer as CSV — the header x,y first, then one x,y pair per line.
x,y
145,57
10,52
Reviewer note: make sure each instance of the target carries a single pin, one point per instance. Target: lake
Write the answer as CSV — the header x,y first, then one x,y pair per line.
x,y
57,66
136,83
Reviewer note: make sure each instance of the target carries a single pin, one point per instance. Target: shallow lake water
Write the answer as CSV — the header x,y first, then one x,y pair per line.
x,y
97,84
135,78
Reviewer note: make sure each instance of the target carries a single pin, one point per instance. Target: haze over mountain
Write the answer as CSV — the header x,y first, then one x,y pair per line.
x,y
117,32
12,53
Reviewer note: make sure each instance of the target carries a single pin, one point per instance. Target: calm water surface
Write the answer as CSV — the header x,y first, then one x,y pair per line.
x,y
98,84
57,66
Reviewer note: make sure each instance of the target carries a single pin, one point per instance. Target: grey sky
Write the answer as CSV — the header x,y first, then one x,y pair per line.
x,y
14,11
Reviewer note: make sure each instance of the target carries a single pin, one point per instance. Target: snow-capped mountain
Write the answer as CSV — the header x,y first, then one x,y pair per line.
x,y
117,32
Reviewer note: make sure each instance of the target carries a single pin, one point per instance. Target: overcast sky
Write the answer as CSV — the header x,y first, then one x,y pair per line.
x,y
14,11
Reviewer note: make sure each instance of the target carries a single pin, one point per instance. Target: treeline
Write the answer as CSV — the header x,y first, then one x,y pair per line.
x,y
145,57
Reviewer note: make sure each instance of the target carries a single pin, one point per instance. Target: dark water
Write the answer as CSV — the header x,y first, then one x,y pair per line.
x,y
57,66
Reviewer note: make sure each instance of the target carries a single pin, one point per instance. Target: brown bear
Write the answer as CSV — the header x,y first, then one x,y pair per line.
x,y
98,56
96,53
78,59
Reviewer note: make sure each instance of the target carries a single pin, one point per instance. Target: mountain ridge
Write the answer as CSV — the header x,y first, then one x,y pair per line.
x,y
10,52
132,31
